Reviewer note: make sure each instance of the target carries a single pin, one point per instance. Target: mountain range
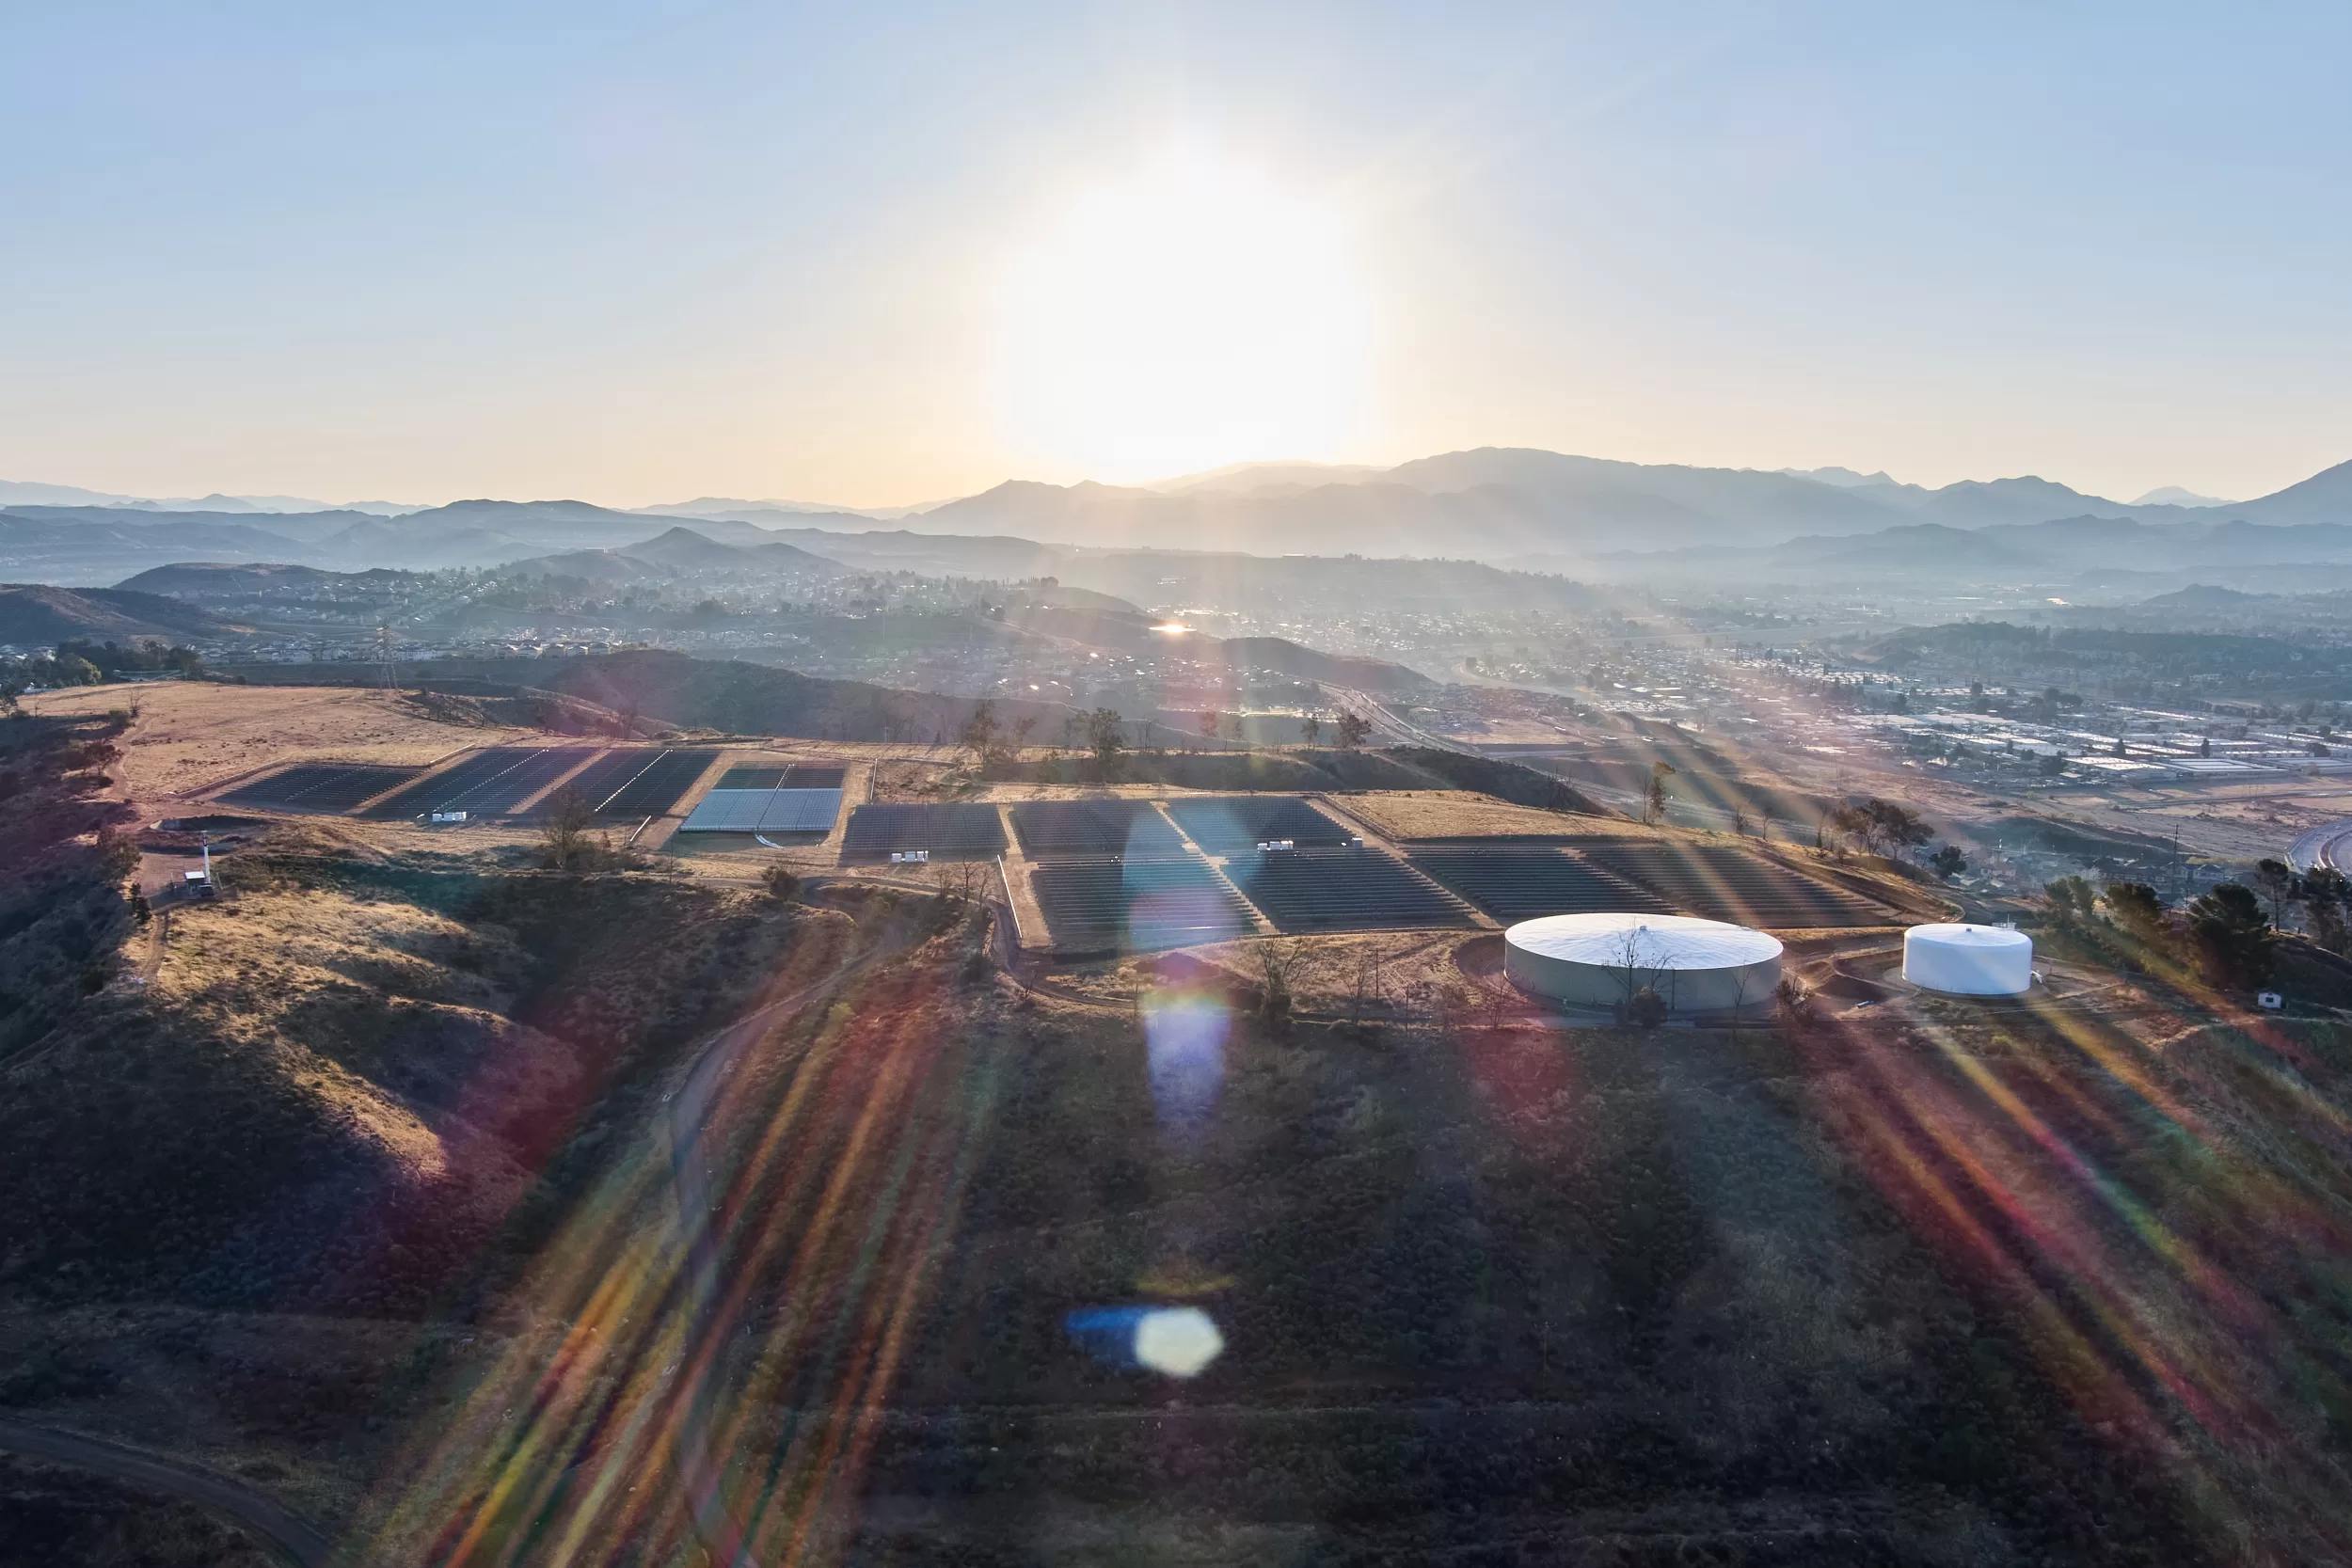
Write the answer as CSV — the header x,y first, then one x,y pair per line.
x,y
1493,503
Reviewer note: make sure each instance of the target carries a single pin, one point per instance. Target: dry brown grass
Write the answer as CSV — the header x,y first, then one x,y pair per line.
x,y
191,735
1464,813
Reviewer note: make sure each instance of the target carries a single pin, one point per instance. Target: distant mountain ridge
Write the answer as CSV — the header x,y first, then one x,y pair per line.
x,y
1492,503
1496,502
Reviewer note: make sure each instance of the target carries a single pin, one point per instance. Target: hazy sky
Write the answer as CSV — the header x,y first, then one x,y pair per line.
x,y
873,254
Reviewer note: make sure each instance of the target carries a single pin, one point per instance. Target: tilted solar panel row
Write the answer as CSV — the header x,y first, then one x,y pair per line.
x,y
320,786
1097,906
1520,883
1723,883
962,830
1094,828
1237,824
657,790
1341,890
596,782
480,785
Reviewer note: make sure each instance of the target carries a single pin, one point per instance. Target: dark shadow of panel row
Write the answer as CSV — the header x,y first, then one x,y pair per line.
x,y
1341,890
1522,883
962,830
1093,828
320,786
1723,883
1237,824
1128,905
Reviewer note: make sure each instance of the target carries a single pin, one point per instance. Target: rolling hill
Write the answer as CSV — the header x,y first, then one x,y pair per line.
x,y
35,615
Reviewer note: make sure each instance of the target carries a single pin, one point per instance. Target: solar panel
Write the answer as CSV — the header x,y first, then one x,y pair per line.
x,y
963,830
1127,828
488,783
656,788
327,786
1520,882
750,777
1341,890
1725,884
1237,824
764,811
1103,906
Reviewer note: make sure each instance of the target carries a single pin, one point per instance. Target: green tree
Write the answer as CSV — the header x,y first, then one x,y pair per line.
x,y
2136,908
1351,730
2275,881
2327,894
2070,898
2235,941
1310,728
1949,862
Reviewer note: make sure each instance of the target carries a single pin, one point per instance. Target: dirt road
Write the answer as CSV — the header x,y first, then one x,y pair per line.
x,y
293,1538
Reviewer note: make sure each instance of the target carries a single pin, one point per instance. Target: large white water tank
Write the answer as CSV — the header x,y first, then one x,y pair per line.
x,y
1600,961
1968,960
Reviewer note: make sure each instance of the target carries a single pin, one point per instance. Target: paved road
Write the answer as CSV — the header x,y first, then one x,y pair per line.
x,y
293,1538
2330,846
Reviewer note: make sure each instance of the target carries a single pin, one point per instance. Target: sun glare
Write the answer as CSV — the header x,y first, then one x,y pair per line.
x,y
1190,315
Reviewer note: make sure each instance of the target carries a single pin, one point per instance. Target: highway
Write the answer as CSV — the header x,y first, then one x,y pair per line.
x,y
284,1532
2330,847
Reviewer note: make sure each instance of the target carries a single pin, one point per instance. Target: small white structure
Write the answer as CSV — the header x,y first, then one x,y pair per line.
x,y
1968,960
1600,961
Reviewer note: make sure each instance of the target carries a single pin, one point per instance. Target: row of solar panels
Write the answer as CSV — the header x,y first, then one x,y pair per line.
x,y
622,781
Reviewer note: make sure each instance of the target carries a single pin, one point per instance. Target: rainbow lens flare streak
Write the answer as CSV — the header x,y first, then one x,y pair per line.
x,y
708,1349
2029,1172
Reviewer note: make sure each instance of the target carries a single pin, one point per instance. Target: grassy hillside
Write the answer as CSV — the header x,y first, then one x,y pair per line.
x,y
37,615
356,1079
1487,1292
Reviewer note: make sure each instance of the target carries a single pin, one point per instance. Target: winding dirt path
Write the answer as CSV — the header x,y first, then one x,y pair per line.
x,y
286,1533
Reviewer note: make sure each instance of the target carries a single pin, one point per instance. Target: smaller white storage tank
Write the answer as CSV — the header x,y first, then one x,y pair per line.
x,y
1968,960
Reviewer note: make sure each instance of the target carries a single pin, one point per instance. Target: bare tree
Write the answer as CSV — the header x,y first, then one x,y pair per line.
x,y
1208,726
1654,803
1107,734
1310,727
980,731
1352,729
564,834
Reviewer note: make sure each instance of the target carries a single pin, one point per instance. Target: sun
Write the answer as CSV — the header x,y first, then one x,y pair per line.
x,y
1189,315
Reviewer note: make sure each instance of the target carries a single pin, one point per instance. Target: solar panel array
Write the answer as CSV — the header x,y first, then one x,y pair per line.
x,y
764,811
656,787
1237,824
490,783
791,775
1520,882
1341,890
966,831
1723,883
1129,828
1100,906
326,787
